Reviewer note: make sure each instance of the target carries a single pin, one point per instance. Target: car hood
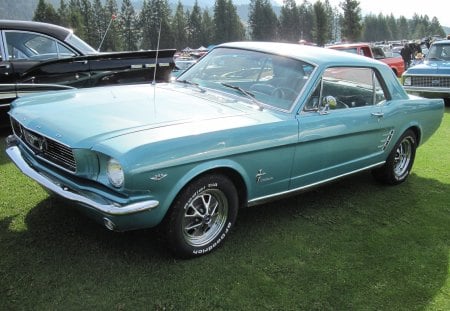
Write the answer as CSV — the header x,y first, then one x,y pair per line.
x,y
83,118
431,67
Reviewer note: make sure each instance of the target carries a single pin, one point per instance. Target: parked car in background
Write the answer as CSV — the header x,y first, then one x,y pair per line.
x,y
432,77
37,57
181,64
376,52
249,123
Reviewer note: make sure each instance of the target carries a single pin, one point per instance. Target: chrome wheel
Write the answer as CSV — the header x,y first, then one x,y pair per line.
x,y
399,162
205,217
202,216
403,157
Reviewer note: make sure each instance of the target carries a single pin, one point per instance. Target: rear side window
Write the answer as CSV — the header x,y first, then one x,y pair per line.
x,y
32,46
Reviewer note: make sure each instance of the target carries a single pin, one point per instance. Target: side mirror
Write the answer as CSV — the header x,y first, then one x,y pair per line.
x,y
328,102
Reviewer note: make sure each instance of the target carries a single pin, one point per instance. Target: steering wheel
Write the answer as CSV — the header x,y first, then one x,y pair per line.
x,y
284,93
341,104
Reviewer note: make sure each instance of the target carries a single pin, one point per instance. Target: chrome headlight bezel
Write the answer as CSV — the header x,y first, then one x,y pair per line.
x,y
407,81
115,173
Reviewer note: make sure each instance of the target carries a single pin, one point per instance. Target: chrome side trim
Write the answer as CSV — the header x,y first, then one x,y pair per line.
x,y
111,208
268,198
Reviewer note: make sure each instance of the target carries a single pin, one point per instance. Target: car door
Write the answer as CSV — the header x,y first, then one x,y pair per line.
x,y
340,128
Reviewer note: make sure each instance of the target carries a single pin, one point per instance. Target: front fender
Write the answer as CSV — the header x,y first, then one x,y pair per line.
x,y
201,169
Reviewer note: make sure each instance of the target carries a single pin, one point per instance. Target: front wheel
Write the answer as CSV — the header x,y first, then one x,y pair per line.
x,y
399,162
202,216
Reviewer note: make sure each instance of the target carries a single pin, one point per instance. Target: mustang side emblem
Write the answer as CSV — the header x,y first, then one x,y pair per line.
x,y
260,175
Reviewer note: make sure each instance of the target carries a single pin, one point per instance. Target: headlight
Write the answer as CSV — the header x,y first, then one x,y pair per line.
x,y
115,173
407,81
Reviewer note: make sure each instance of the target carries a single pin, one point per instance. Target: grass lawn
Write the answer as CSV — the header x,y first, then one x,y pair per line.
x,y
352,245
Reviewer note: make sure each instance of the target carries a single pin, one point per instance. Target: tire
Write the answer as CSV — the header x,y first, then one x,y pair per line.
x,y
202,216
399,162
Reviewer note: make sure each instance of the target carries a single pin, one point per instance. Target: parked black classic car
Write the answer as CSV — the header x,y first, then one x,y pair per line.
x,y
40,57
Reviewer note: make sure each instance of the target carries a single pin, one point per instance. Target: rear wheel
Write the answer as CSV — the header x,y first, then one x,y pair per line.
x,y
202,216
399,162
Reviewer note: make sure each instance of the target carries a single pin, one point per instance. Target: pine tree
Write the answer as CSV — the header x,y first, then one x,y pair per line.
x,y
403,28
160,20
75,19
100,23
228,26
435,28
63,14
45,12
179,27
88,22
289,22
306,17
128,26
112,40
207,29
351,22
262,20
195,26
320,28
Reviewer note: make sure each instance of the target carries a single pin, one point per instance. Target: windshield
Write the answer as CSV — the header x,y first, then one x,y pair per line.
x,y
272,80
439,52
80,45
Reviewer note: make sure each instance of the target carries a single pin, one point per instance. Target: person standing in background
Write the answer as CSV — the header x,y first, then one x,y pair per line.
x,y
406,55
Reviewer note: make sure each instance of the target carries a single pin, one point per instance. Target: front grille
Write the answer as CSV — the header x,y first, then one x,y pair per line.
x,y
46,148
430,81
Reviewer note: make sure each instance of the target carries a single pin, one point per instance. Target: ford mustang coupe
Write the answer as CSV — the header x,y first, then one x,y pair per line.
x,y
250,122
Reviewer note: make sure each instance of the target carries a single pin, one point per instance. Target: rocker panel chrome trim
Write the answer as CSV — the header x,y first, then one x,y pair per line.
x,y
271,197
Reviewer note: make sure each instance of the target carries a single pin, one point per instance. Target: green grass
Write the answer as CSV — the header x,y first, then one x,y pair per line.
x,y
352,245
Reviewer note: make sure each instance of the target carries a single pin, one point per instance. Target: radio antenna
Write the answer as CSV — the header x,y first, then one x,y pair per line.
x,y
157,52
156,66
113,17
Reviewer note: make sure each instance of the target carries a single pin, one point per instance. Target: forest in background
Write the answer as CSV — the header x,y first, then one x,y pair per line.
x,y
138,22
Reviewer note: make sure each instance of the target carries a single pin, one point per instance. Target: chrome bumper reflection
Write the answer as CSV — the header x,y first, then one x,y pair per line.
x,y
111,209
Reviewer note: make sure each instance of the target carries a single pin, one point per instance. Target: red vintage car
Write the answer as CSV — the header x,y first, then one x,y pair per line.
x,y
365,49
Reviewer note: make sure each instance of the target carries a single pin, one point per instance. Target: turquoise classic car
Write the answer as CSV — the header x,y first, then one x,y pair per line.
x,y
432,77
249,123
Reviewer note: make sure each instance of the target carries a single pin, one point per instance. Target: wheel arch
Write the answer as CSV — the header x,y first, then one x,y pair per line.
x,y
416,131
228,168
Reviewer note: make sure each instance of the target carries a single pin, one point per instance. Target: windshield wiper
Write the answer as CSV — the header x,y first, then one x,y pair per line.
x,y
434,58
248,94
193,84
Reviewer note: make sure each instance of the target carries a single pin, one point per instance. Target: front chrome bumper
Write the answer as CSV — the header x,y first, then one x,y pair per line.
x,y
113,209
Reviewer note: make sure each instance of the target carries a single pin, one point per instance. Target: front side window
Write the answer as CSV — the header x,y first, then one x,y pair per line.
x,y
32,46
346,87
273,80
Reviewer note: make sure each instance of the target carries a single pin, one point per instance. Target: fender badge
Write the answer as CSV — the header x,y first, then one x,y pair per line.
x,y
260,177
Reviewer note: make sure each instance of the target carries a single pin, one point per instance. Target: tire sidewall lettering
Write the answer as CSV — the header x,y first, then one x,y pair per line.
x,y
216,243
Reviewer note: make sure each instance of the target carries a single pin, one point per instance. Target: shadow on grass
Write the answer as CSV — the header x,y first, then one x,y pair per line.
x,y
4,132
353,244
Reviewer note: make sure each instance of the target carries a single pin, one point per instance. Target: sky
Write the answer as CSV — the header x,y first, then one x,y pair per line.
x,y
406,8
